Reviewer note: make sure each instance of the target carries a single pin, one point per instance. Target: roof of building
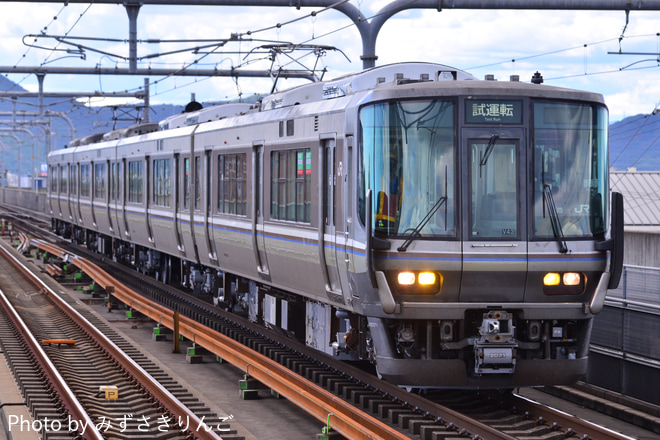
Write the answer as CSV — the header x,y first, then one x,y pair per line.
x,y
641,196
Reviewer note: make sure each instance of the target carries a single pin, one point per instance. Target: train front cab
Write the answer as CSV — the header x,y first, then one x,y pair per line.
x,y
487,232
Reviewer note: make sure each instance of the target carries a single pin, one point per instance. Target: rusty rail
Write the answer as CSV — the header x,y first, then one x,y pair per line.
x,y
169,401
341,416
75,409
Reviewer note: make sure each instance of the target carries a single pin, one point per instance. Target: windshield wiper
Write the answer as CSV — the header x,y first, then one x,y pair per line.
x,y
489,149
415,232
554,218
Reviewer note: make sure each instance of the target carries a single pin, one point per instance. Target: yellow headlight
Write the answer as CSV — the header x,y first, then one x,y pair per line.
x,y
551,279
406,278
572,279
426,278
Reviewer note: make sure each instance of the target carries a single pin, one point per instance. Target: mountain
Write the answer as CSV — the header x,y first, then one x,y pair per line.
x,y
24,140
635,143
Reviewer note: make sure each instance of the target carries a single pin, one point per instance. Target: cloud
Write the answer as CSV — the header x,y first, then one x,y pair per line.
x,y
480,41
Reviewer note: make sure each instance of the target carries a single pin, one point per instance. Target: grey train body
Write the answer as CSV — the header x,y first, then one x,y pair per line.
x,y
454,232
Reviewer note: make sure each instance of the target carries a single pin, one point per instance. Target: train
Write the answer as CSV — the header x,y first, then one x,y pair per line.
x,y
455,232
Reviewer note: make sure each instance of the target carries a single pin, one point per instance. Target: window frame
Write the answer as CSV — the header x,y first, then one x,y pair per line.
x,y
291,185
232,184
136,181
162,182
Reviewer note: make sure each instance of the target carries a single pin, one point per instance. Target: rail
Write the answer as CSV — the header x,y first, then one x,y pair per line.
x,y
71,403
340,415
169,401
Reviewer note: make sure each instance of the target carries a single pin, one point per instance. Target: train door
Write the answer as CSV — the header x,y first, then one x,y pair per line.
x,y
123,187
208,204
189,203
69,190
258,238
148,192
494,238
114,195
110,205
52,172
177,208
330,224
92,193
57,186
77,214
64,191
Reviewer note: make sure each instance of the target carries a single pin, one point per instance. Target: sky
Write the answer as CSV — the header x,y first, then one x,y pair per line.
x,y
569,48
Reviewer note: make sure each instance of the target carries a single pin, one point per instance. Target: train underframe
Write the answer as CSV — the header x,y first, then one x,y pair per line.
x,y
486,348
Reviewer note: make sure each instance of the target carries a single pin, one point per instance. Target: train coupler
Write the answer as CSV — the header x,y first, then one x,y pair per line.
x,y
495,351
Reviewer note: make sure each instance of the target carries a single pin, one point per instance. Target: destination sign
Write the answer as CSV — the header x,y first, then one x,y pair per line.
x,y
489,111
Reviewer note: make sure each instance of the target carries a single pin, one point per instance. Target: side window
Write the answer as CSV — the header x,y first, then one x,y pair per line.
x,y
186,183
162,189
73,179
114,193
135,181
99,181
64,179
291,182
85,180
115,181
53,178
232,175
198,192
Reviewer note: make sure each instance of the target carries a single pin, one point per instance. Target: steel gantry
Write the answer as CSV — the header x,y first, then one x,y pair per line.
x,y
368,29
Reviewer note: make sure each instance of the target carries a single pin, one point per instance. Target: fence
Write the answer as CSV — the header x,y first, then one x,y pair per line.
x,y
625,342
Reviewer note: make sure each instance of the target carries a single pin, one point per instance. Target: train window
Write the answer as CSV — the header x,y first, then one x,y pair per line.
x,y
85,180
408,161
135,181
115,180
291,183
186,183
64,179
197,186
232,178
99,181
73,180
53,179
162,187
120,182
494,188
570,169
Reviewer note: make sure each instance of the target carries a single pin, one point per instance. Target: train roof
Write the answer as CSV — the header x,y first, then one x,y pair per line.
x,y
215,113
483,88
399,76
400,73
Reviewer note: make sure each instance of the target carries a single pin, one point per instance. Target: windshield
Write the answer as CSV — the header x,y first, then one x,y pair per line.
x,y
408,162
570,169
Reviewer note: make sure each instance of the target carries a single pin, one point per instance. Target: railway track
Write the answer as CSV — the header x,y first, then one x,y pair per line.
x,y
82,384
416,416
427,416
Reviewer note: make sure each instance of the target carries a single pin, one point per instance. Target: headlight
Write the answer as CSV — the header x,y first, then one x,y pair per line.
x,y
567,283
406,278
426,278
418,283
551,279
571,279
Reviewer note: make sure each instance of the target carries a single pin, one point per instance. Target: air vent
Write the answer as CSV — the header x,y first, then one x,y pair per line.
x,y
316,123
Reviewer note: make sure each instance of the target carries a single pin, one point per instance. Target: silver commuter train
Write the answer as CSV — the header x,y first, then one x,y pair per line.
x,y
455,232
